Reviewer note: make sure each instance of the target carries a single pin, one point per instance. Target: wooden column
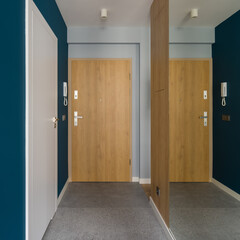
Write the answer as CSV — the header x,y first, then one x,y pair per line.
x,y
160,106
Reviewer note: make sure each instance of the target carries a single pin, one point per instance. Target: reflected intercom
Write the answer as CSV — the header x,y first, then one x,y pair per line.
x,y
224,93
65,94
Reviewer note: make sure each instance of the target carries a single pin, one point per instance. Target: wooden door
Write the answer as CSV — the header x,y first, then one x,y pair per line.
x,y
43,134
189,138
160,106
101,142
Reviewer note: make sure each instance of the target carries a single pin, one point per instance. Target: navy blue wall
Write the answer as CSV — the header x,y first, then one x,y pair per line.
x,y
12,120
51,13
226,135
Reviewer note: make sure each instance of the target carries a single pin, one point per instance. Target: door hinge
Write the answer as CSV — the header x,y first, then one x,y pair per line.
x,y
130,162
130,77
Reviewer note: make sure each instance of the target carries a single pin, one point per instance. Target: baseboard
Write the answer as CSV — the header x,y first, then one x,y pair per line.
x,y
226,189
145,180
141,180
135,179
167,231
62,192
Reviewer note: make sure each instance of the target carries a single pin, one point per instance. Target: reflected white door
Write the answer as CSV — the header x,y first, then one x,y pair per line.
x,y
43,100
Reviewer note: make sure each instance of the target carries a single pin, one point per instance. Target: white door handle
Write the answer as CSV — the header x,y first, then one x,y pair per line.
x,y
76,117
205,118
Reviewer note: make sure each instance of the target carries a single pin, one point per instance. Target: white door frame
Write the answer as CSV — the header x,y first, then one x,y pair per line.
x,y
29,7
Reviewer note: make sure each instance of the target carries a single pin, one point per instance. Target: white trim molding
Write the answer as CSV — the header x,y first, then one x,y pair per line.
x,y
145,180
226,189
27,131
141,180
167,231
62,192
135,179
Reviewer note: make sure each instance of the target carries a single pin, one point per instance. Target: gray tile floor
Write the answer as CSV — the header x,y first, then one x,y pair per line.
x,y
104,211
201,211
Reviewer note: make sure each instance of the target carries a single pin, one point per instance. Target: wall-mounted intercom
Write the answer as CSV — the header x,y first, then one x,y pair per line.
x,y
65,94
224,93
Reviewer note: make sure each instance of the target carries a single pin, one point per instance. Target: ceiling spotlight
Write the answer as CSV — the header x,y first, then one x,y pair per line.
x,y
104,13
194,13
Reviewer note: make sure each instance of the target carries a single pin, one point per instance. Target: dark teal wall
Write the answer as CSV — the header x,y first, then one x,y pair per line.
x,y
226,135
51,13
12,120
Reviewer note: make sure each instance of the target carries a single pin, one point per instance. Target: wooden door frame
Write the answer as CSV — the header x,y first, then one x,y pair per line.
x,y
210,117
31,7
70,111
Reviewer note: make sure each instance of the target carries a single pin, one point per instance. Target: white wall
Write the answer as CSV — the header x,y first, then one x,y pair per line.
x,y
113,39
183,50
191,42
203,35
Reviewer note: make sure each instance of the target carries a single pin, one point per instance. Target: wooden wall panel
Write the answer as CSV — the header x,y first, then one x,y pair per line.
x,y
160,49
189,138
160,106
117,118
88,155
101,143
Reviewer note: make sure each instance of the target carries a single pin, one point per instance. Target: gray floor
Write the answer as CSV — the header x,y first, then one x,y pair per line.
x,y
104,211
201,211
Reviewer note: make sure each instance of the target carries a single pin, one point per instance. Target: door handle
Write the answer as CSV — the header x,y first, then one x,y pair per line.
x,y
205,118
76,117
55,120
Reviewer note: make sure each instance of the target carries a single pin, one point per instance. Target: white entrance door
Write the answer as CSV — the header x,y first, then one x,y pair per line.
x,y
43,109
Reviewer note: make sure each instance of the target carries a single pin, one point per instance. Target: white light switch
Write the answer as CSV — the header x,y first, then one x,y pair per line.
x,y
205,94
75,94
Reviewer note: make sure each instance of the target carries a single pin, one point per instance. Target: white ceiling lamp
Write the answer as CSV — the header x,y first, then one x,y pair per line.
x,y
104,13
194,13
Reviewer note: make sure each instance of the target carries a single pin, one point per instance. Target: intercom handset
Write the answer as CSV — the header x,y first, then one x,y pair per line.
x,y
65,93
224,93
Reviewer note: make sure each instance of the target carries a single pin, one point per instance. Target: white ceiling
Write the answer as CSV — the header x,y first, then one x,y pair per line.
x,y
136,12
211,12
121,12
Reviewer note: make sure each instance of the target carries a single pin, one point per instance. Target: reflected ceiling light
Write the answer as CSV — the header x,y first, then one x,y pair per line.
x,y
194,13
104,13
